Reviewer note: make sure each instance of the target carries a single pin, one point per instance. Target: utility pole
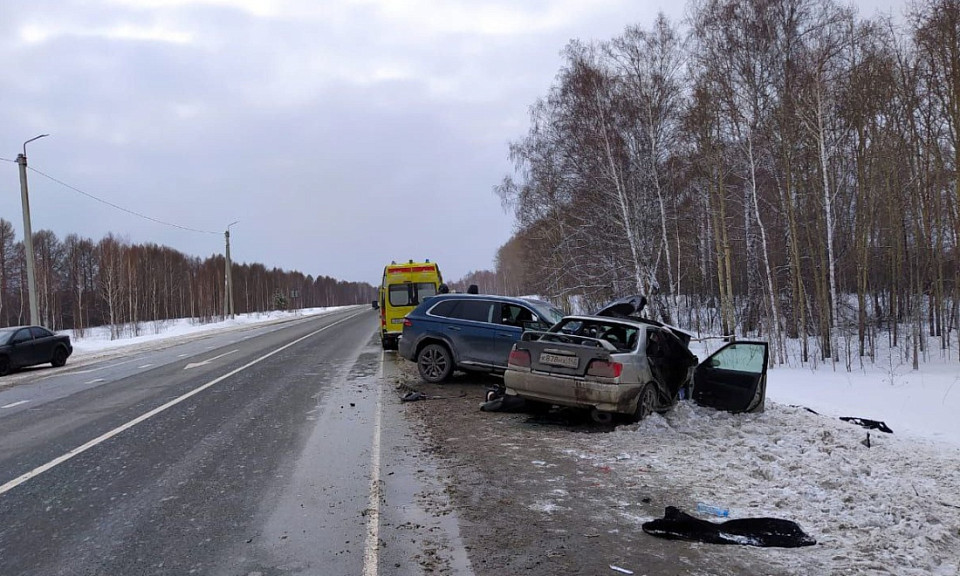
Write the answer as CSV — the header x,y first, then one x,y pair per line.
x,y
28,233
228,309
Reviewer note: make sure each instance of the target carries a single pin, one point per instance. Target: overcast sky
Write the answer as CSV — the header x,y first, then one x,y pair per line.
x,y
342,134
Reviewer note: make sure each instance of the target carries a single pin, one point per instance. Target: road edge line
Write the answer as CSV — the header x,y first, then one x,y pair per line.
x,y
371,559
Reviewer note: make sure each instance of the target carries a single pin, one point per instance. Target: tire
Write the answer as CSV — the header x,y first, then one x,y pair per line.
x,y
600,417
59,357
5,366
646,402
435,363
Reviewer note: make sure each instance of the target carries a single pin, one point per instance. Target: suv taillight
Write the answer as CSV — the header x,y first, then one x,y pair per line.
x,y
407,322
604,369
519,358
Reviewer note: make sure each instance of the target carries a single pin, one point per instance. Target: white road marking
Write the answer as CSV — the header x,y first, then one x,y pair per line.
x,y
205,362
95,380
182,355
371,548
143,417
15,404
89,370
144,366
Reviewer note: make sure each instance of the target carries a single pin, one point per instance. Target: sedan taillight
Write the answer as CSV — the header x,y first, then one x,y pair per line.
x,y
519,358
604,369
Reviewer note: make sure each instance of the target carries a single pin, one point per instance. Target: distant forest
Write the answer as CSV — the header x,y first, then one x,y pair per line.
x,y
775,168
82,283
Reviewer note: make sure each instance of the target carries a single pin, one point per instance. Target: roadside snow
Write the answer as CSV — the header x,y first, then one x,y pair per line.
x,y
97,339
891,508
895,505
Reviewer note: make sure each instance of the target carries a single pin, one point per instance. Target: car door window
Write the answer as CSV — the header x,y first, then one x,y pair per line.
x,y
739,358
39,332
515,315
475,310
22,336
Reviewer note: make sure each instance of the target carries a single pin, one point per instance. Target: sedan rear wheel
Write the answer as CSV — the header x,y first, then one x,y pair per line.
x,y
5,366
59,357
646,402
435,363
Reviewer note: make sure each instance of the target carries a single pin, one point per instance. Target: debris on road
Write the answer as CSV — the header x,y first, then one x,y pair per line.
x,y
868,423
762,532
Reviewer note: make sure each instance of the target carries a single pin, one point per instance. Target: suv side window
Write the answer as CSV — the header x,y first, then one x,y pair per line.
x,y
445,309
476,310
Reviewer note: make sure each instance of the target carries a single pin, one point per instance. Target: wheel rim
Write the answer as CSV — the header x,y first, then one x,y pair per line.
x,y
648,401
433,362
59,357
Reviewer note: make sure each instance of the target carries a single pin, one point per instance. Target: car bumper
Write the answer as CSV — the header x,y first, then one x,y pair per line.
x,y
606,395
405,348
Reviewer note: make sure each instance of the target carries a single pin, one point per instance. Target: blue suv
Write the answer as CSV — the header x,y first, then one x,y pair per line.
x,y
470,332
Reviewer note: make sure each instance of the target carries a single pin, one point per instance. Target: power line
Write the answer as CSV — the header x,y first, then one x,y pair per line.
x,y
121,208
8,160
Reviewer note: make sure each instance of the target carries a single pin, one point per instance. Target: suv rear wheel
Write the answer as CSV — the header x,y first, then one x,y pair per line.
x,y
434,363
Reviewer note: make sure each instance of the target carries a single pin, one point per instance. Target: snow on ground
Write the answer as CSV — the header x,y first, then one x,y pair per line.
x,y
891,508
97,340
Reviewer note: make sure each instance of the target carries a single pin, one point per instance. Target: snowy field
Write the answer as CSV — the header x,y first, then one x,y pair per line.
x,y
891,508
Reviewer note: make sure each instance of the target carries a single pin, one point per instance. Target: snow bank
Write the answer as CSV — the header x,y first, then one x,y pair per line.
x,y
97,339
892,508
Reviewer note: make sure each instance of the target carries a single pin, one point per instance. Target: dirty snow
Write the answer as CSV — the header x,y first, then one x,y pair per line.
x,y
891,508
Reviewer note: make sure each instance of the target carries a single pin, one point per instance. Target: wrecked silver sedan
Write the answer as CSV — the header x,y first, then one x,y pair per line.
x,y
621,364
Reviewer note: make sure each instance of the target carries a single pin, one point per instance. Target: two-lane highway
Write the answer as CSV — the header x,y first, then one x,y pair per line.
x,y
265,455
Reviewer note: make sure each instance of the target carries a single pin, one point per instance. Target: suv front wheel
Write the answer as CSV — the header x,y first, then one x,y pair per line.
x,y
434,363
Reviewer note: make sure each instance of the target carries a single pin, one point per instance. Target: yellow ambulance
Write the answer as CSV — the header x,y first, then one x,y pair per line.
x,y
404,286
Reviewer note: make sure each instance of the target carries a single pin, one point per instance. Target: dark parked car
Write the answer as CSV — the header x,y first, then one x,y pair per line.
x,y
471,332
29,345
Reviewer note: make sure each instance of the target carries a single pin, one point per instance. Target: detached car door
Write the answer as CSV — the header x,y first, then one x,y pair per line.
x,y
734,378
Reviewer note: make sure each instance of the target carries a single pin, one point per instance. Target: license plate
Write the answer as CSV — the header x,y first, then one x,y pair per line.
x,y
397,321
556,360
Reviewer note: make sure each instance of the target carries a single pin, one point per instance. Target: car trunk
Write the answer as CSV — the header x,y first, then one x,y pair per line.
x,y
566,355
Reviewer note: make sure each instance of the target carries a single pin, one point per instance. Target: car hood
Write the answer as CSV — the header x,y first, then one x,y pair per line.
x,y
624,307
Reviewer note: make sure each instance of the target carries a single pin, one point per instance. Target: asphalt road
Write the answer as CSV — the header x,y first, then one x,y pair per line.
x,y
277,450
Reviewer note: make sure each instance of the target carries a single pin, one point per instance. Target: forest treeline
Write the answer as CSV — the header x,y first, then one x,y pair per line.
x,y
786,165
82,283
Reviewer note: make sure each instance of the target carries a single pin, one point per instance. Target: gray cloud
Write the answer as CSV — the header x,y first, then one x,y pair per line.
x,y
342,135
